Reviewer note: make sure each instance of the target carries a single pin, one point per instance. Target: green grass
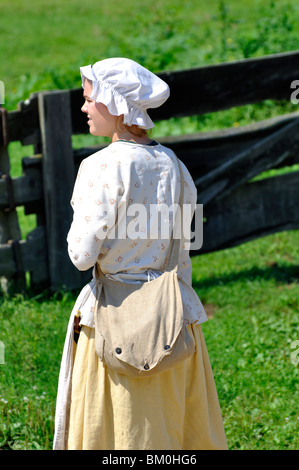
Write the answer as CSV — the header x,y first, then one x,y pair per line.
x,y
46,41
49,40
251,291
32,330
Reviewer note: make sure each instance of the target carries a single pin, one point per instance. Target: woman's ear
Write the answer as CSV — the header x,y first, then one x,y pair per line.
x,y
120,127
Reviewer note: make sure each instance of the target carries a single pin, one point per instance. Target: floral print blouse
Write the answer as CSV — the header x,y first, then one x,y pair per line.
x,y
116,198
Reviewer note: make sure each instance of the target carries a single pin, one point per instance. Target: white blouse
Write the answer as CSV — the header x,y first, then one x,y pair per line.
x,y
108,229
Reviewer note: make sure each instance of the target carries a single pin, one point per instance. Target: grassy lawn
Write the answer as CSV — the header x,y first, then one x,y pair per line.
x,y
45,41
32,330
251,292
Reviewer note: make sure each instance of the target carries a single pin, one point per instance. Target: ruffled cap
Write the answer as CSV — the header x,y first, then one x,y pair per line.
x,y
127,88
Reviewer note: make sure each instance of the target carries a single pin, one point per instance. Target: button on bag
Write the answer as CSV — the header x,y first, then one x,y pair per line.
x,y
139,327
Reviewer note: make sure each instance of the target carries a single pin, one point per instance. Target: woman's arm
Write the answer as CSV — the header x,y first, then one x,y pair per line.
x,y
94,201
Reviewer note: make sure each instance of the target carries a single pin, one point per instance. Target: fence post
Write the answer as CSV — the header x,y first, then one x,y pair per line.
x,y
58,180
9,224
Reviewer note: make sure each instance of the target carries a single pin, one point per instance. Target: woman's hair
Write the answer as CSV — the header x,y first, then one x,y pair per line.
x,y
136,130
133,129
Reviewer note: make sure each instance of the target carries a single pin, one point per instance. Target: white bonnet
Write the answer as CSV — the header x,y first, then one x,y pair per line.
x,y
127,88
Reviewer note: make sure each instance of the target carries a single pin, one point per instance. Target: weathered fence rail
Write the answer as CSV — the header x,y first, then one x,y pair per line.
x,y
222,164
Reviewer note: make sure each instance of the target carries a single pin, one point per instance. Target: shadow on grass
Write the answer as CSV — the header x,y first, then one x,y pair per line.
x,y
42,295
280,273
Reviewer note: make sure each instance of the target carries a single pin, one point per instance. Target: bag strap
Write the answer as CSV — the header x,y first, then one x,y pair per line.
x,y
175,243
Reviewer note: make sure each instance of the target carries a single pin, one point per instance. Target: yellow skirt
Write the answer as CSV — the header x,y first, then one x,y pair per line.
x,y
175,410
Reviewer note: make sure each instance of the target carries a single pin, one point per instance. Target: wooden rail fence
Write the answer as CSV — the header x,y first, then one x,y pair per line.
x,y
222,163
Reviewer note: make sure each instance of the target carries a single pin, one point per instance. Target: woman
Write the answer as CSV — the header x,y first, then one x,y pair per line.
x,y
98,408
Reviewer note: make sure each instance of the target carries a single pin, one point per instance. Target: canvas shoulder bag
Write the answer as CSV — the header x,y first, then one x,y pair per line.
x,y
139,327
